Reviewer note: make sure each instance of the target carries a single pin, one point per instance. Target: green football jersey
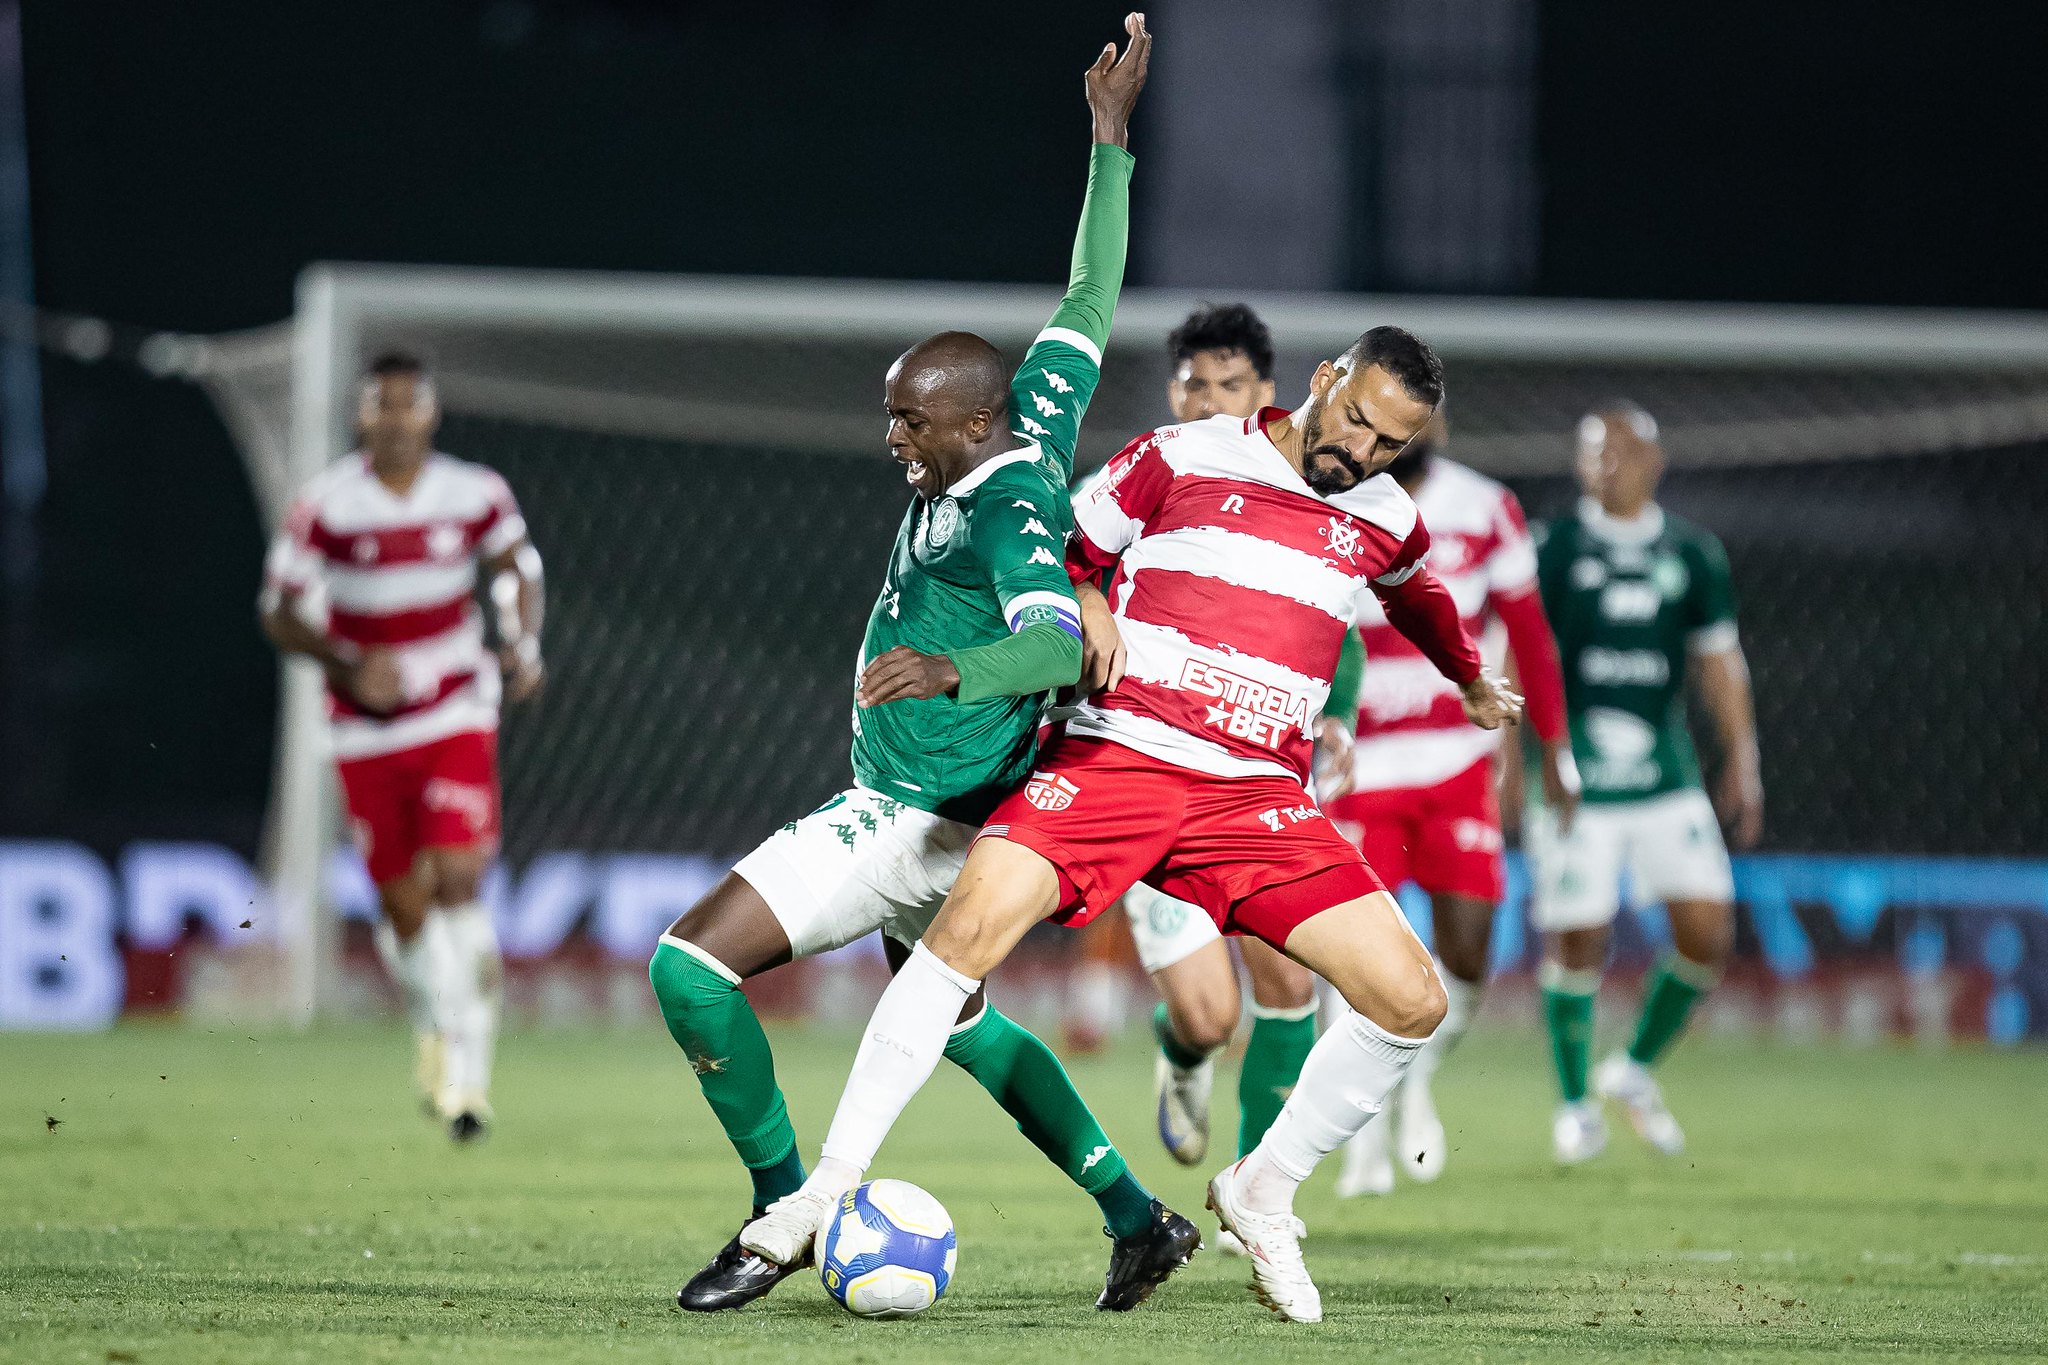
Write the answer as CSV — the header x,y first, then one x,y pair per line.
x,y
982,560
1630,604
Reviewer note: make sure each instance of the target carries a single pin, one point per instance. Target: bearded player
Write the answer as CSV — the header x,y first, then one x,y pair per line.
x,y
1641,601
1424,806
1238,549
938,739
374,577
1221,360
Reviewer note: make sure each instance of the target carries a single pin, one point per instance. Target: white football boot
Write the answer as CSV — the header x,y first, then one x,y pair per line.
x,y
1279,1279
1368,1161
1578,1133
786,1232
1184,1107
1628,1082
1418,1133
1227,1243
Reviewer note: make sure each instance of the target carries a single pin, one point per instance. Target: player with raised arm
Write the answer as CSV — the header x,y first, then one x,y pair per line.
x,y
1641,600
374,576
975,625
1238,550
1424,803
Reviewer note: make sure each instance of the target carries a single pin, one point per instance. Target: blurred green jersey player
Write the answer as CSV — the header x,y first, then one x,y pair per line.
x,y
1640,602
975,625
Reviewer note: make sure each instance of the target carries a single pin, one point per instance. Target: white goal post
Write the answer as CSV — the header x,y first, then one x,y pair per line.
x,y
626,355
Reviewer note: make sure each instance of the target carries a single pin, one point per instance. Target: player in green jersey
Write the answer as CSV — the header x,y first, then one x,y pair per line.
x,y
1640,600
975,625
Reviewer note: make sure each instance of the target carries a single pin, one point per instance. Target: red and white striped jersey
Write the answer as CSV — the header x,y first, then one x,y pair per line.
x,y
401,572
1234,585
1412,730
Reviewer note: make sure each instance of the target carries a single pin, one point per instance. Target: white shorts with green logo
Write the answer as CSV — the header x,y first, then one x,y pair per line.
x,y
860,862
1166,930
1669,845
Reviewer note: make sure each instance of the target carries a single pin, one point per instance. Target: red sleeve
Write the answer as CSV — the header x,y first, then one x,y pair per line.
x,y
1423,610
1535,651
1113,512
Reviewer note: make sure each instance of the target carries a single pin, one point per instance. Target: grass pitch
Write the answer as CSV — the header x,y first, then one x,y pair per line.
x,y
217,1196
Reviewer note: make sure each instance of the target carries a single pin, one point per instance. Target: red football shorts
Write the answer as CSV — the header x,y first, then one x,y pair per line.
x,y
440,795
1254,852
1446,838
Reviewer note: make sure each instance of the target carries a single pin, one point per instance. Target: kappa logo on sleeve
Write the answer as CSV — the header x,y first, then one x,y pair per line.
x,y
1058,381
1034,527
1050,791
1046,407
1041,555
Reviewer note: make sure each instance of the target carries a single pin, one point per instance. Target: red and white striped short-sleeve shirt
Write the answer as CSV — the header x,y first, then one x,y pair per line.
x,y
401,572
1234,586
1412,730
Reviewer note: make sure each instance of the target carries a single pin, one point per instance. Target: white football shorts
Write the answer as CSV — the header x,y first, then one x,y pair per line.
x,y
860,862
1670,846
1166,930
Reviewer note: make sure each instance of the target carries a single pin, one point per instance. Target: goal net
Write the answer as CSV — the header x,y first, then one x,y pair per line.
x,y
701,464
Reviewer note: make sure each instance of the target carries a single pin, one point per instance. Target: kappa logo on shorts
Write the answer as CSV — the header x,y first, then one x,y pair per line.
x,y
1050,791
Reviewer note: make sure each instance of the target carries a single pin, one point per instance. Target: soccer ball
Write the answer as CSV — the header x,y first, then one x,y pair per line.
x,y
887,1251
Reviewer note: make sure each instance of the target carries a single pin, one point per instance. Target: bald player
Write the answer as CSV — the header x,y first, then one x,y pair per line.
x,y
976,624
1639,600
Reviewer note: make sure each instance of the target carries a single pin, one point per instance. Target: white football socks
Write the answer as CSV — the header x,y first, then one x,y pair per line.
x,y
1463,1003
900,1049
411,964
470,985
1354,1066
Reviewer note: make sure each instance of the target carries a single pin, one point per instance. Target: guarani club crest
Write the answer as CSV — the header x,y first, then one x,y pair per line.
x,y
1050,791
941,522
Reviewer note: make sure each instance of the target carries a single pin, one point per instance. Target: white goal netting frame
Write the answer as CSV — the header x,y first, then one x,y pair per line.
x,y
1962,380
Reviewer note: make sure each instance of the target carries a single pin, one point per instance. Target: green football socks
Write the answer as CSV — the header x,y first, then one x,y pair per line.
x,y
1170,1045
1028,1081
1273,1056
1674,988
1568,1013
711,1020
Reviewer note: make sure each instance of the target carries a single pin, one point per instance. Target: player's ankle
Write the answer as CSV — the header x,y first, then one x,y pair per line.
x,y
833,1176
1263,1187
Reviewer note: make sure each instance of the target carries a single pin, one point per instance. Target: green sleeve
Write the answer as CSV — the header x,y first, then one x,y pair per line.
x,y
1052,389
1350,675
1709,597
1019,532
1036,659
1550,554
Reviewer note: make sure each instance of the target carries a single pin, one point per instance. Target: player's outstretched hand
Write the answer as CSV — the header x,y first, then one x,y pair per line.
x,y
1114,82
1490,703
903,674
1102,645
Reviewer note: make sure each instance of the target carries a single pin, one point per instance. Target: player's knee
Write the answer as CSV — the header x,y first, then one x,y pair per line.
x,y
1205,1023
687,979
456,877
1408,1006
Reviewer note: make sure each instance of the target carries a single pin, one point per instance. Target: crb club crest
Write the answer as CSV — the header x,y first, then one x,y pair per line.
x,y
1340,538
1050,791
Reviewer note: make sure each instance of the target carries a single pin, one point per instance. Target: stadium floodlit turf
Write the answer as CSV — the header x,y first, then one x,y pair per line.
x,y
173,1194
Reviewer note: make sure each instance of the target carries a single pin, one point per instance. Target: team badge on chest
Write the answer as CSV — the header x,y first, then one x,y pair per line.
x,y
941,523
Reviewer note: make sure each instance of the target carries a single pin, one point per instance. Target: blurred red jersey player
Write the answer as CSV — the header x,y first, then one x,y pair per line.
x,y
374,576
1424,804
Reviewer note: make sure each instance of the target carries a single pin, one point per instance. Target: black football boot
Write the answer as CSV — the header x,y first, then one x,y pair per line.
x,y
735,1278
1140,1263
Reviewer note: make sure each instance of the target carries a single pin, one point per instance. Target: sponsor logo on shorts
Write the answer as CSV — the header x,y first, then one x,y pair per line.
x,y
1280,817
1050,791
471,802
1475,836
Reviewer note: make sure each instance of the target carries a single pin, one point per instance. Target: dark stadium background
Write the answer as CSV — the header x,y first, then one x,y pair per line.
x,y
188,159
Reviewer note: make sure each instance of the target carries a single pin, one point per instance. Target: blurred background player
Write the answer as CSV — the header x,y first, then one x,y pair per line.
x,y
1423,805
1640,599
374,576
